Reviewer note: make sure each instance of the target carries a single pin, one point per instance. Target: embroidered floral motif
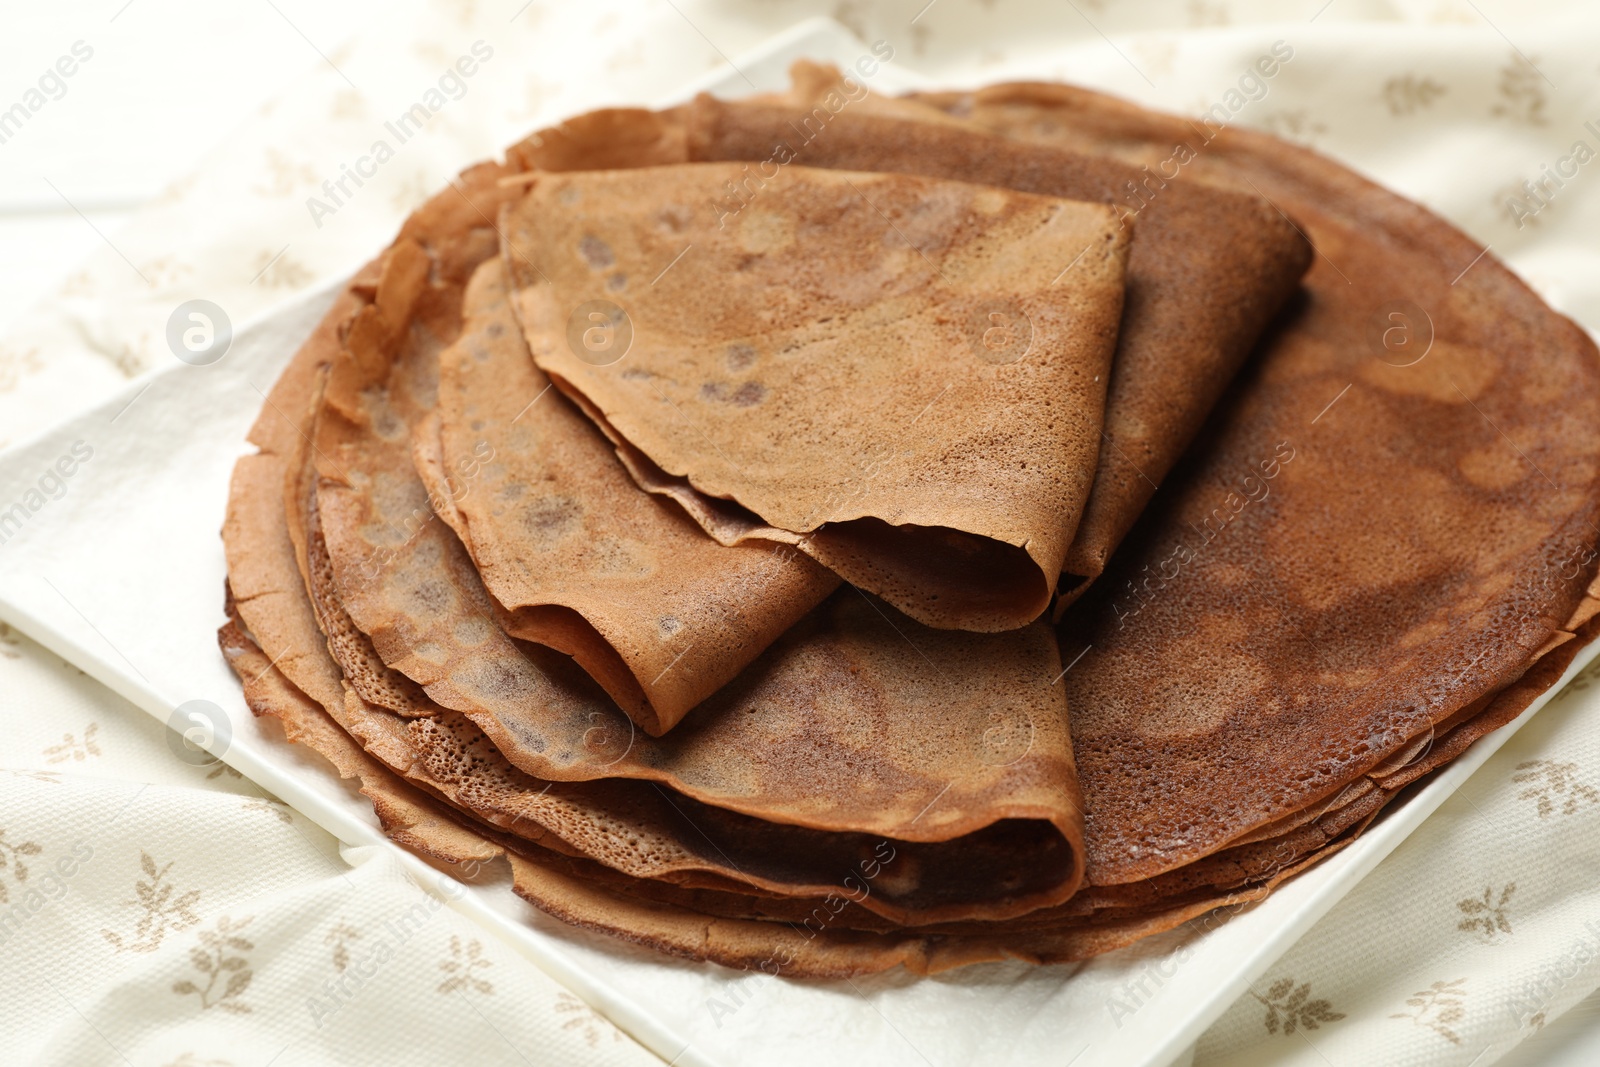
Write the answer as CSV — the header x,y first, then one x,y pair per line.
x,y
1297,125
460,968
852,15
284,175
1447,13
72,749
1208,13
11,862
279,271
431,53
1437,1007
1408,94
1521,91
348,104
1157,57
15,366
581,1018
79,284
339,937
281,811
1289,1008
165,271
466,11
1585,677
1488,914
132,358
1552,782
162,911
212,959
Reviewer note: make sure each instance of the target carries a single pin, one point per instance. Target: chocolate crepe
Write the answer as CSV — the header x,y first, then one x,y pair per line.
x,y
755,788
1291,649
902,377
1207,270
834,938
625,582
1210,271
1367,540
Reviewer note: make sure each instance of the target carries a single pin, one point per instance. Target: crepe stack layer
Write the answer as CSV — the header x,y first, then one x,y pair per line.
x,y
822,533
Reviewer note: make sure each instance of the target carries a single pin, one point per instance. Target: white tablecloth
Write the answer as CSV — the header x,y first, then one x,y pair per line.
x,y
153,912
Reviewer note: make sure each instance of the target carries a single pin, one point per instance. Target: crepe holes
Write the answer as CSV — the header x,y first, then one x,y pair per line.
x,y
199,332
599,332
199,732
1400,333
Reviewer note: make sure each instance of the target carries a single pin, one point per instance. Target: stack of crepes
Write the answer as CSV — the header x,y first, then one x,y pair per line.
x,y
822,533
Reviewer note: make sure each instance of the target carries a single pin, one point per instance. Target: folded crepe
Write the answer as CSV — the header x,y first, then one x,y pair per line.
x,y
572,552
826,940
1276,652
856,730
903,377
1364,545
1207,270
1210,268
458,762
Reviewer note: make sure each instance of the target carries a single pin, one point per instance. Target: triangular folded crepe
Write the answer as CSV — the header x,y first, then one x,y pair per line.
x,y
762,791
1207,270
658,613
903,377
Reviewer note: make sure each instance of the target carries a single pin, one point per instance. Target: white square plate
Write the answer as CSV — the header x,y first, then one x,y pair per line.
x,y
122,574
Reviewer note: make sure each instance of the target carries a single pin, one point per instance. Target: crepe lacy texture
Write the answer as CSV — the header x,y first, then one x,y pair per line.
x,y
677,510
